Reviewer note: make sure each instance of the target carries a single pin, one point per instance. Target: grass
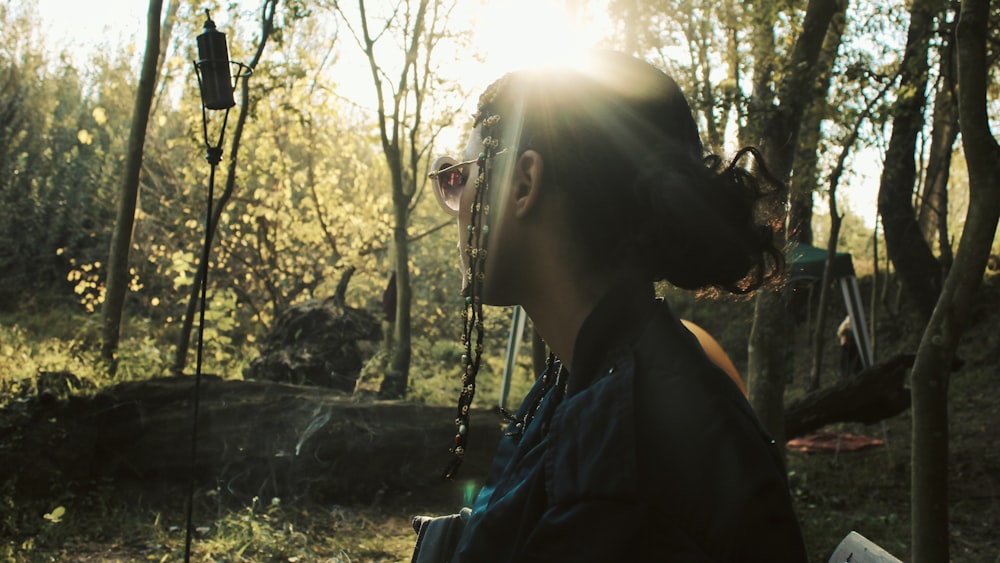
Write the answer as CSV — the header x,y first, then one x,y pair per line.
x,y
867,491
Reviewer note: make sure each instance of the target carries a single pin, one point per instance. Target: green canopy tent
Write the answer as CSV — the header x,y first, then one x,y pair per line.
x,y
806,263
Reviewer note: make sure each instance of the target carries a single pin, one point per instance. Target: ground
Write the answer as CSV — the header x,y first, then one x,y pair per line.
x,y
835,492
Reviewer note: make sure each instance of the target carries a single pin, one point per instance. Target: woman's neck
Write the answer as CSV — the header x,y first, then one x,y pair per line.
x,y
561,303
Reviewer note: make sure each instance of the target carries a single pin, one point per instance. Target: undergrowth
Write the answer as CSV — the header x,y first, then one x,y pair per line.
x,y
866,491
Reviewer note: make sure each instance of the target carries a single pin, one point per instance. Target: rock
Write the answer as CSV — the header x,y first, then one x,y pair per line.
x,y
316,343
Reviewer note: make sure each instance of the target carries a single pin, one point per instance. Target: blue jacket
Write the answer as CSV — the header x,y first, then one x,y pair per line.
x,y
649,453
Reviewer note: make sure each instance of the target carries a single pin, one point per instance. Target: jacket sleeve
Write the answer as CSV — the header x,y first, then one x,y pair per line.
x,y
595,531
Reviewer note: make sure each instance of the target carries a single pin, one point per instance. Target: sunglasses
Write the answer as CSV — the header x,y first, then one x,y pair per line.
x,y
450,178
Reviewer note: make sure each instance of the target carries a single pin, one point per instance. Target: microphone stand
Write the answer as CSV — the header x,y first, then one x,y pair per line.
x,y
216,88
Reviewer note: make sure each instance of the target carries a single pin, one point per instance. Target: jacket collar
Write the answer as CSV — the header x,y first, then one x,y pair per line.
x,y
616,322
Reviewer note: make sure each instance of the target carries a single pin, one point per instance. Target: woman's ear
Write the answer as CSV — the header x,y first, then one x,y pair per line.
x,y
527,182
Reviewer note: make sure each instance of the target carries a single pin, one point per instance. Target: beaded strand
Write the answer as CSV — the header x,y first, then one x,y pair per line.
x,y
552,377
473,328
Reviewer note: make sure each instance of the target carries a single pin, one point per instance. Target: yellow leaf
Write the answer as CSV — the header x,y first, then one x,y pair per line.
x,y
100,115
56,515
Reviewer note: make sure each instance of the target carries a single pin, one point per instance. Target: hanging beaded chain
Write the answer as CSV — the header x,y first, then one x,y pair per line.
x,y
475,248
553,376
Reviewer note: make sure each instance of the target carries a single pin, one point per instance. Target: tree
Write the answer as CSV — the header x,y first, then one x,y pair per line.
x,y
664,28
805,181
933,214
916,266
777,128
929,387
60,143
831,247
402,127
121,239
784,45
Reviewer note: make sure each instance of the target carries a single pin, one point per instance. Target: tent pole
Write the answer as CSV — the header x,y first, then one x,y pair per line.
x,y
852,297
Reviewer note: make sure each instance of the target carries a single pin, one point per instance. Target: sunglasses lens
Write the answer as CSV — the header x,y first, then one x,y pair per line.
x,y
450,185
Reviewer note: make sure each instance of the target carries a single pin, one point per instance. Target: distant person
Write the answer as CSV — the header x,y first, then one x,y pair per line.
x,y
850,355
577,191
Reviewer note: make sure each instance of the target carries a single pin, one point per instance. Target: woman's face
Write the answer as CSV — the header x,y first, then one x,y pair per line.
x,y
499,174
455,188
472,149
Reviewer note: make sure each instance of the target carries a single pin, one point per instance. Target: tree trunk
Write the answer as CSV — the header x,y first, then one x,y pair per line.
x,y
397,375
121,237
800,205
766,370
703,72
166,32
873,301
818,338
760,22
919,272
929,462
732,93
805,181
933,216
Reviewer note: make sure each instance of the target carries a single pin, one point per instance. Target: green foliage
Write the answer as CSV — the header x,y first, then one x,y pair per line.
x,y
855,236
58,159
68,523
311,199
257,533
38,344
436,372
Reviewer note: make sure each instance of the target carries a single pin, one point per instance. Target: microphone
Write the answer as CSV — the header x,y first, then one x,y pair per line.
x,y
213,60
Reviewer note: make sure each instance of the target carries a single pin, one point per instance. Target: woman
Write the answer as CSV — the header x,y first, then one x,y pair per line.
x,y
578,190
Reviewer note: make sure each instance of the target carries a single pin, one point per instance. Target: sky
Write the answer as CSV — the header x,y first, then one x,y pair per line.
x,y
79,27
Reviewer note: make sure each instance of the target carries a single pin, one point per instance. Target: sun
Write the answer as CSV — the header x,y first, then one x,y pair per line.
x,y
516,34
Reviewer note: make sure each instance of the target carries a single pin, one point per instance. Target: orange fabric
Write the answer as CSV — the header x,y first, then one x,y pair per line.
x,y
831,442
715,353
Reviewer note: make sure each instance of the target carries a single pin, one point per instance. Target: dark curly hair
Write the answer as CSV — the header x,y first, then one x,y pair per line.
x,y
621,140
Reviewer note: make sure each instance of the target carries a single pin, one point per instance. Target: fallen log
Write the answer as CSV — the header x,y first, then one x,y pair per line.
x,y
255,438
870,396
267,439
